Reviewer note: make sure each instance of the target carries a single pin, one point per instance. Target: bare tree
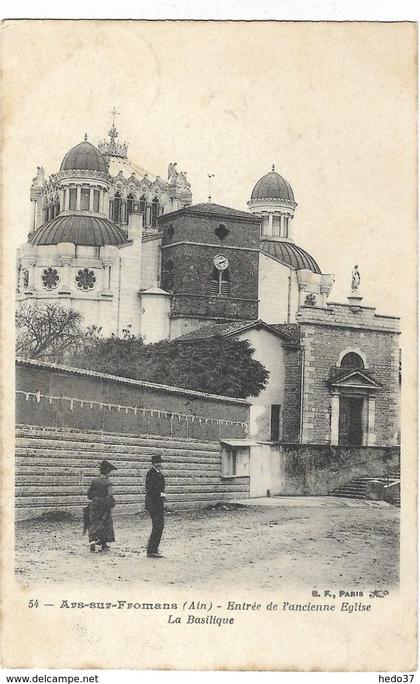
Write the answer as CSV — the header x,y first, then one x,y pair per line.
x,y
47,331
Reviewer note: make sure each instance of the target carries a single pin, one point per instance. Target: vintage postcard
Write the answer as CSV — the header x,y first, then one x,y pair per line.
x,y
209,315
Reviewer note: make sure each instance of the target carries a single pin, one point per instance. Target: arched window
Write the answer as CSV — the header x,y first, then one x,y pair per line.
x,y
168,276
154,212
142,208
116,208
220,283
96,200
352,360
73,199
130,204
84,199
170,232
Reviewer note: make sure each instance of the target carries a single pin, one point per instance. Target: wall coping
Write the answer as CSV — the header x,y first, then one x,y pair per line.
x,y
327,445
362,306
255,250
192,210
129,381
361,325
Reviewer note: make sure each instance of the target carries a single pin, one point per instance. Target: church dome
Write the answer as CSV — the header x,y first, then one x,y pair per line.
x,y
290,254
272,186
84,156
90,231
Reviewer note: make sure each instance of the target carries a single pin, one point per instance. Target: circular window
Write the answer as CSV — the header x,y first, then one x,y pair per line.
x,y
50,278
85,280
310,299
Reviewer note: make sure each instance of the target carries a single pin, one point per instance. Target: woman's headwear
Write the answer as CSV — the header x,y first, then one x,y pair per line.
x,y
106,467
156,458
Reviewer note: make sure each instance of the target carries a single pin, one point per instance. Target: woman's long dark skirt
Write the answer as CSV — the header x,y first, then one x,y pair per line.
x,y
101,527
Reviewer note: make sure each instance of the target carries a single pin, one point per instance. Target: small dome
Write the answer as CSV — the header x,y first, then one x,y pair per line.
x,y
84,156
273,186
290,254
90,231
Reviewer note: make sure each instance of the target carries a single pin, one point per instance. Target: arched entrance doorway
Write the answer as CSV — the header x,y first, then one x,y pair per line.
x,y
353,402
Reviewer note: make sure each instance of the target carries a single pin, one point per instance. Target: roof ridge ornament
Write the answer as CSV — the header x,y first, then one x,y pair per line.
x,y
112,147
273,168
210,176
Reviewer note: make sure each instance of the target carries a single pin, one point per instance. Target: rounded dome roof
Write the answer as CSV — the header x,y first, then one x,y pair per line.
x,y
290,254
90,231
273,186
84,156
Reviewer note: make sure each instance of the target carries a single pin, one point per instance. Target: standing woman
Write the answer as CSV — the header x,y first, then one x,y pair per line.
x,y
99,516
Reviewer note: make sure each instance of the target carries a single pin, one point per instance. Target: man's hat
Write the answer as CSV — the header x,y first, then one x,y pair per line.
x,y
106,467
156,458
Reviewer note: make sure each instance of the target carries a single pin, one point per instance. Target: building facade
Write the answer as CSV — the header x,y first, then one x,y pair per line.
x,y
131,252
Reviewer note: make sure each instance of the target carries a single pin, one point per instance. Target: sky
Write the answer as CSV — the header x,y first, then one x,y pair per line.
x,y
332,105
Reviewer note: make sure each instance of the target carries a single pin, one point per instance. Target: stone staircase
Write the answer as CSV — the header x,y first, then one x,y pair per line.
x,y
359,488
54,467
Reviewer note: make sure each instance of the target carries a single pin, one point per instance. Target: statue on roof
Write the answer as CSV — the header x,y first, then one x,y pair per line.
x,y
355,278
40,176
172,170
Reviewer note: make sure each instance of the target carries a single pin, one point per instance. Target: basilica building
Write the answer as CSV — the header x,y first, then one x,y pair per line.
x,y
131,251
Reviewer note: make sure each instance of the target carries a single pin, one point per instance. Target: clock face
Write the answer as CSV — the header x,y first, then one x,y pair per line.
x,y
221,262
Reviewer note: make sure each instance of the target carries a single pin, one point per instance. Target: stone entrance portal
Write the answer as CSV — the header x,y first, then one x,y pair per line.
x,y
353,400
350,428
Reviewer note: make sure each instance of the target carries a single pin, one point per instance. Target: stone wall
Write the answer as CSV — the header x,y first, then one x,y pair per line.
x,y
48,395
206,308
190,243
194,267
328,333
69,420
150,261
128,309
292,394
188,226
54,467
301,469
279,280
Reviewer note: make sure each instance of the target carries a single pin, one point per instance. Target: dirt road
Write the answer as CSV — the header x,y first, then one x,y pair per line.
x,y
297,542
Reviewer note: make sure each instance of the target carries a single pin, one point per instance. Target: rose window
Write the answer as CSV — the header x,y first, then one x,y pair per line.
x,y
86,280
310,299
50,278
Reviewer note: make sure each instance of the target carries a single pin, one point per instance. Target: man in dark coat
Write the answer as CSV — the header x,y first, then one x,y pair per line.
x,y
155,496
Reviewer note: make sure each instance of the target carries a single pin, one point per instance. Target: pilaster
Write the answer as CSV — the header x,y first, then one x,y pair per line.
x,y
371,437
335,416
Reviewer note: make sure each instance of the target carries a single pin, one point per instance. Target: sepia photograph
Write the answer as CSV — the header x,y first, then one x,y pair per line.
x,y
210,235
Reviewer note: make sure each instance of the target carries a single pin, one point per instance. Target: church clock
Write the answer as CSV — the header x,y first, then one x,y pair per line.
x,y
221,262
